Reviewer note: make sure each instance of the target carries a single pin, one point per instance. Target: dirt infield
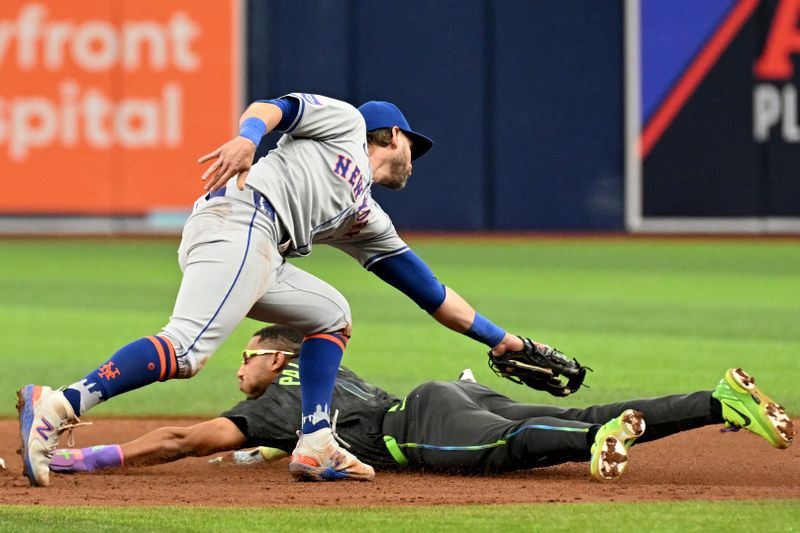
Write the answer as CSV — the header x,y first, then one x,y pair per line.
x,y
700,464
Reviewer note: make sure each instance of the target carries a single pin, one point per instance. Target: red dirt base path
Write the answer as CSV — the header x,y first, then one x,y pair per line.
x,y
699,464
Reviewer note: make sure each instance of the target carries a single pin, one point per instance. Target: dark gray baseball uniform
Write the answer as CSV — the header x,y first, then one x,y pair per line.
x,y
273,419
457,426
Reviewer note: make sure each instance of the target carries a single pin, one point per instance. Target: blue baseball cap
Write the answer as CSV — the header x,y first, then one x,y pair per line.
x,y
386,115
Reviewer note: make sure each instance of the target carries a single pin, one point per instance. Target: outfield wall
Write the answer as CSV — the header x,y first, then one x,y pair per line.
x,y
713,99
104,106
524,100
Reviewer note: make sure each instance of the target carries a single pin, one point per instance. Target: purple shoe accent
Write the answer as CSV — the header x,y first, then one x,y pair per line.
x,y
67,460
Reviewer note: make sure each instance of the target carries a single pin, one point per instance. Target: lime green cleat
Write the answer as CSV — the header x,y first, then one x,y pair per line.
x,y
610,448
745,406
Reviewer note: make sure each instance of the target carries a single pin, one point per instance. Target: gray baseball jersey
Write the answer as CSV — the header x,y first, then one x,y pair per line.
x,y
321,190
317,181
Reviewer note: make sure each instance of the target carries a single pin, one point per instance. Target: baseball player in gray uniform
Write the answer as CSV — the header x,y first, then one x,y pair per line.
x,y
315,187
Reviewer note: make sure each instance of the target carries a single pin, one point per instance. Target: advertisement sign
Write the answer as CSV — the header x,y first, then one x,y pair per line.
x,y
712,115
106,106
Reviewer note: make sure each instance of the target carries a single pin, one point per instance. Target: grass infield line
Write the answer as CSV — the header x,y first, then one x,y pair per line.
x,y
655,517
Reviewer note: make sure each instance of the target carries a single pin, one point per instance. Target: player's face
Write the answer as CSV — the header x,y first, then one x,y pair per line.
x,y
399,164
257,373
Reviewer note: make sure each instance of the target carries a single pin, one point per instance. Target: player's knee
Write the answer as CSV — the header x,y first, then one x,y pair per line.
x,y
189,361
193,363
331,315
340,319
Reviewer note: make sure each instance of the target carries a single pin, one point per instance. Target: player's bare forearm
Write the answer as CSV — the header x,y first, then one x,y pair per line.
x,y
269,113
167,444
458,315
455,312
161,445
235,157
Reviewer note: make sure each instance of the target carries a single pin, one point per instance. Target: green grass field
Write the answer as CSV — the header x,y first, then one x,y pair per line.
x,y
649,316
775,516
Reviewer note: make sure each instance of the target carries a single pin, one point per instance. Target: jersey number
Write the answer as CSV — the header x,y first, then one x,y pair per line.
x,y
289,377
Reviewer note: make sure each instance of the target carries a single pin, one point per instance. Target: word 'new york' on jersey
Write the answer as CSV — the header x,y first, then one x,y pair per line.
x,y
318,180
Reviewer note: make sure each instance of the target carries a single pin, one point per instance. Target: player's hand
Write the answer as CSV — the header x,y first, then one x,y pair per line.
x,y
234,158
262,454
510,343
538,366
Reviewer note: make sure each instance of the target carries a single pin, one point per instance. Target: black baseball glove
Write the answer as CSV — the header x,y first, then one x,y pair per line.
x,y
540,367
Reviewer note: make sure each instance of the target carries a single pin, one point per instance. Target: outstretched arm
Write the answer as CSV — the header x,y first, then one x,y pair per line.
x,y
161,445
537,365
167,444
408,273
458,315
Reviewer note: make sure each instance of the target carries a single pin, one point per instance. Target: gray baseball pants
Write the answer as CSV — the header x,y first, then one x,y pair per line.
x,y
232,269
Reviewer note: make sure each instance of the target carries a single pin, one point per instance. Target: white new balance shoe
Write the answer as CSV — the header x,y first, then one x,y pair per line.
x,y
43,414
318,457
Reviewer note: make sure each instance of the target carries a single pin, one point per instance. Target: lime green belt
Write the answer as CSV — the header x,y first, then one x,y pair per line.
x,y
391,442
394,450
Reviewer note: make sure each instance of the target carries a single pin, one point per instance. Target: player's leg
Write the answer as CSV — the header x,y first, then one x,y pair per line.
x,y
159,446
228,256
732,403
439,426
665,416
302,301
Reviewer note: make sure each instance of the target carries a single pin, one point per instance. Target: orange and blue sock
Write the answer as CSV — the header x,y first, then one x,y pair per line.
x,y
320,356
140,363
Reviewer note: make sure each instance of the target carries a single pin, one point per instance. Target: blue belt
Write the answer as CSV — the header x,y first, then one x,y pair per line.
x,y
259,201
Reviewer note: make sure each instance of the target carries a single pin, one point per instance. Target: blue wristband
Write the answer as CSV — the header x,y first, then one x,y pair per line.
x,y
484,331
253,128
